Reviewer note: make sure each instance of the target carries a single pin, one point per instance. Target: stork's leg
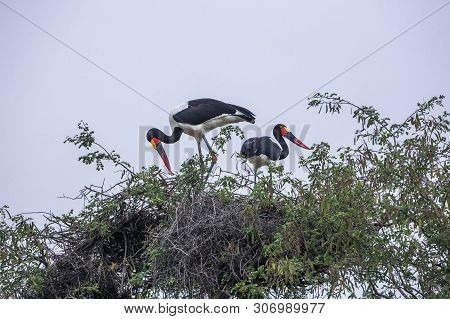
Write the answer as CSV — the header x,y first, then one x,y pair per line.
x,y
271,184
213,156
211,151
202,164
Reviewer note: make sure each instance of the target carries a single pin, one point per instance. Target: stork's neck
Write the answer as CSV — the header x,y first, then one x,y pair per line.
x,y
284,146
175,137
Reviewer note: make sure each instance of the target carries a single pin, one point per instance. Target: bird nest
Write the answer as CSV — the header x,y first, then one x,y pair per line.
x,y
202,247
209,245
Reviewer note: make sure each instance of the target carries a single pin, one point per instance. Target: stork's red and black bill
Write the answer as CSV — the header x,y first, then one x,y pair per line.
x,y
291,137
158,146
297,142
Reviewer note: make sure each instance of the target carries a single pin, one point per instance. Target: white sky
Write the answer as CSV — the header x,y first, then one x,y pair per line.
x,y
264,55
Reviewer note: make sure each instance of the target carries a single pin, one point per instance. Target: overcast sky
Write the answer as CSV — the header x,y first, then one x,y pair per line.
x,y
264,55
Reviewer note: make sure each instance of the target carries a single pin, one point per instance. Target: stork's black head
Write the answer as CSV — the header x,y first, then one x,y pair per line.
x,y
282,130
278,130
154,133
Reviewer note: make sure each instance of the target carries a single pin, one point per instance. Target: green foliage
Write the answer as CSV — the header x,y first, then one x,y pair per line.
x,y
86,140
225,135
369,221
23,254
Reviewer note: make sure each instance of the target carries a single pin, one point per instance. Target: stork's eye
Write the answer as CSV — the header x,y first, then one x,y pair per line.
x,y
284,130
155,142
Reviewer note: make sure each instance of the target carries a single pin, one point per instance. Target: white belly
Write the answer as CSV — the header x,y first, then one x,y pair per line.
x,y
197,131
259,161
221,121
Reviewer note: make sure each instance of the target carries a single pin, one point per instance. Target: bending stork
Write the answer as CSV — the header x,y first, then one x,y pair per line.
x,y
196,118
260,151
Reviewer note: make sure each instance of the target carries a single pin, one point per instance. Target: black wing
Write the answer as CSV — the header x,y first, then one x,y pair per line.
x,y
203,110
261,146
247,115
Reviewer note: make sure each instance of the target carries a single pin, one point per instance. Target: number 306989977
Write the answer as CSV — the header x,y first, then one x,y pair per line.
x,y
312,307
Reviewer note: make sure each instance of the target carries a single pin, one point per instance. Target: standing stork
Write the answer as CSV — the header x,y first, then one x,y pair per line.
x,y
196,118
260,151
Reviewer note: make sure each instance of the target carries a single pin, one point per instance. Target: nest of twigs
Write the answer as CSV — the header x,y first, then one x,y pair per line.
x,y
209,245
202,249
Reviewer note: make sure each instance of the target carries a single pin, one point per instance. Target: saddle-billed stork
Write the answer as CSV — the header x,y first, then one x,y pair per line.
x,y
260,151
196,118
